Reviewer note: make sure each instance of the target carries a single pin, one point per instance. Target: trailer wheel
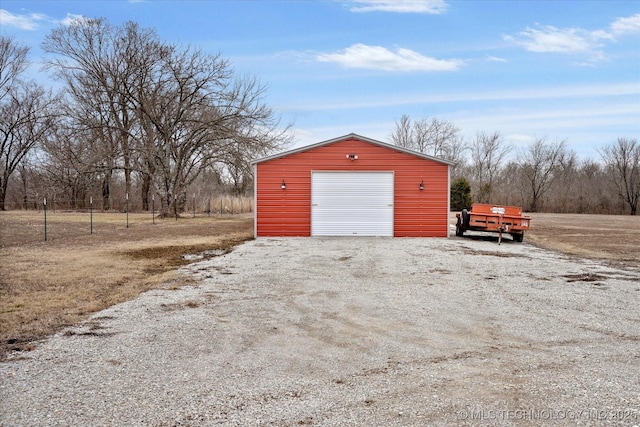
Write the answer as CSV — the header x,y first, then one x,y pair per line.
x,y
465,218
459,228
518,237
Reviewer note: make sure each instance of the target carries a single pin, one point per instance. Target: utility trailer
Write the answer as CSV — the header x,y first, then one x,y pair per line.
x,y
493,218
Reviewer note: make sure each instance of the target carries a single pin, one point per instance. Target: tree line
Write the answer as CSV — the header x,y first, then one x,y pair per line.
x,y
140,118
149,118
544,176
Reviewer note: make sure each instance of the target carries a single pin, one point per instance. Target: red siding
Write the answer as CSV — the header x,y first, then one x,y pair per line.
x,y
288,212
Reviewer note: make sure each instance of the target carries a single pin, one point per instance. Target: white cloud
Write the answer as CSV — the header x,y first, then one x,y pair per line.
x,y
380,58
496,59
27,22
32,21
71,19
629,25
551,39
400,6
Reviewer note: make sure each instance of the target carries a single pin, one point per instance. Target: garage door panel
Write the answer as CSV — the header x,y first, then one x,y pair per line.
x,y
352,203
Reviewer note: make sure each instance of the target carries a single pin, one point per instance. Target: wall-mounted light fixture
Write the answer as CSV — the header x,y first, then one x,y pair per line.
x,y
352,157
283,185
421,185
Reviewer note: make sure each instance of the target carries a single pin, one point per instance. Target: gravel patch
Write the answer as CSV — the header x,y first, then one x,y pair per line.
x,y
350,331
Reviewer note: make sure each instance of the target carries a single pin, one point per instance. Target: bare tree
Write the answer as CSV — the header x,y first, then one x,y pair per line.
x,y
235,167
488,152
196,115
69,161
438,138
540,165
13,62
420,136
440,135
93,58
163,111
26,116
584,190
623,161
455,151
508,188
402,135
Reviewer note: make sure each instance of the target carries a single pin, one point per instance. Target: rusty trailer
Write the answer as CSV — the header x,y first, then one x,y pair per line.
x,y
493,218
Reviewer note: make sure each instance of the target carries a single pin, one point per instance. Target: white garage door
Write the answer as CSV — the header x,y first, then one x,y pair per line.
x,y
352,203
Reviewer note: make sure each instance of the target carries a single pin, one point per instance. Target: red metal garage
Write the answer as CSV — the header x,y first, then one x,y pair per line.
x,y
349,186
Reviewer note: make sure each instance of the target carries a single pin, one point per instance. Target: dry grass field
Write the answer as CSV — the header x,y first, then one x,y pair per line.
x,y
614,239
45,286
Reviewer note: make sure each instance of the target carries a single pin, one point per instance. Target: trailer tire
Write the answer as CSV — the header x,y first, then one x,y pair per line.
x,y
518,237
459,229
465,218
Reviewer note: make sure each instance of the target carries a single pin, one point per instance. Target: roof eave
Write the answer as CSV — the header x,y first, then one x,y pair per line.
x,y
346,137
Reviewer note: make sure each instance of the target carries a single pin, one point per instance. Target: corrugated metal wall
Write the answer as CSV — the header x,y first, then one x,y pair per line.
x,y
288,212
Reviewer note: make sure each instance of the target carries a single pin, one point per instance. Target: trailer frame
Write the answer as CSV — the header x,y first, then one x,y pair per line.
x,y
493,218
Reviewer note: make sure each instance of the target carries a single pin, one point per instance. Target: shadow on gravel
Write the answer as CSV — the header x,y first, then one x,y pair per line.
x,y
488,238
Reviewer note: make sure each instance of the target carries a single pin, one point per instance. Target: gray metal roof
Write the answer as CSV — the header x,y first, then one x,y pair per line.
x,y
351,136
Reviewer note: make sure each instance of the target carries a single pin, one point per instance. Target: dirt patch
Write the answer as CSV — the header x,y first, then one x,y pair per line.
x,y
584,277
502,254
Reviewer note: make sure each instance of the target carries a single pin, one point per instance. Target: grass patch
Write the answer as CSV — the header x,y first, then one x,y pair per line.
x,y
46,286
609,238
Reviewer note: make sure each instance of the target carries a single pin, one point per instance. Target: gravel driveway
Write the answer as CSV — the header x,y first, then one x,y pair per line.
x,y
350,331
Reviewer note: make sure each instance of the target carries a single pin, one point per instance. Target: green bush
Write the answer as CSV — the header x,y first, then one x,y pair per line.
x,y
460,194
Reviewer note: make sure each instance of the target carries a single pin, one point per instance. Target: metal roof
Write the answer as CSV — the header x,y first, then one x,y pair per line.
x,y
347,137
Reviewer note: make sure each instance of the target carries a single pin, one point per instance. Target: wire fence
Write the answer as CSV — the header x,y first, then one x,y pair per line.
x,y
49,220
195,205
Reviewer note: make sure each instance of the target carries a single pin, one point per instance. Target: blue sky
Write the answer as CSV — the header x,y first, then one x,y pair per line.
x,y
527,69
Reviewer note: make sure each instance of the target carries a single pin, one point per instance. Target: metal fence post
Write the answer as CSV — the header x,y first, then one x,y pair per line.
x,y
45,219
